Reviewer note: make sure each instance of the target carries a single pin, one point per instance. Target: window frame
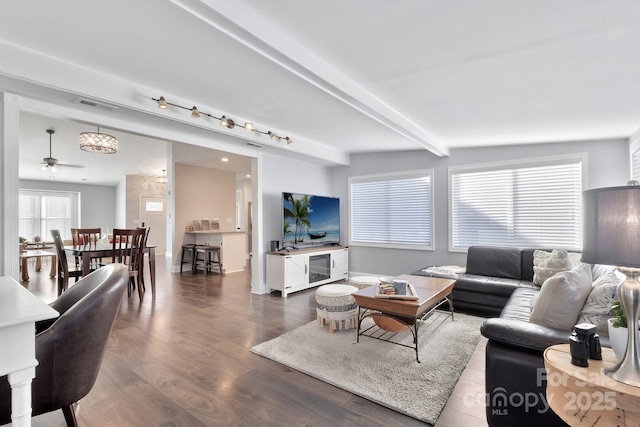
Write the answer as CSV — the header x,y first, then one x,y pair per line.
x,y
392,177
581,158
74,210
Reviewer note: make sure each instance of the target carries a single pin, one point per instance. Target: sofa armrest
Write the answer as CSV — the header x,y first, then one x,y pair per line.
x,y
523,334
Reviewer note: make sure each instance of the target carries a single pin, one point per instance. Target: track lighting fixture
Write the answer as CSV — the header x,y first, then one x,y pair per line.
x,y
224,120
162,103
227,122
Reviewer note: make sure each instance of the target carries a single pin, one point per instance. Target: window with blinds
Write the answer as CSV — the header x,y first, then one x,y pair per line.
x,y
41,211
525,205
392,210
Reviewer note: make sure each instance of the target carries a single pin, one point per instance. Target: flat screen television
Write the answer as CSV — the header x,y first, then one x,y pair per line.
x,y
310,220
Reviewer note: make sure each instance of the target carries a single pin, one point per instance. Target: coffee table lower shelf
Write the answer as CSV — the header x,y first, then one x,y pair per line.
x,y
378,332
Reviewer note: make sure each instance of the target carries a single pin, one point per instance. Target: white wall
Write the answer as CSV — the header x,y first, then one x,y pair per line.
x,y
608,165
280,174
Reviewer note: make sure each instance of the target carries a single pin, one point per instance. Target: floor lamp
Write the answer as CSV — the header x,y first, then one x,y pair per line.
x,y
612,237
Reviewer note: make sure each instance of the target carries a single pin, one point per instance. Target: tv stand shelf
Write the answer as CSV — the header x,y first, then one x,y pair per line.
x,y
299,269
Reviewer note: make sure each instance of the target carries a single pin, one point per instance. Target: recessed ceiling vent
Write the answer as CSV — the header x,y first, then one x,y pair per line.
x,y
253,144
95,104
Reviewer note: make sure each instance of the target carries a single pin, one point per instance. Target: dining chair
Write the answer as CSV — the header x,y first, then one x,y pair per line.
x,y
64,271
145,238
86,237
128,249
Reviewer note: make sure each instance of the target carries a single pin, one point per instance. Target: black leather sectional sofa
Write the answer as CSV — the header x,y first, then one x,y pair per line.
x,y
498,283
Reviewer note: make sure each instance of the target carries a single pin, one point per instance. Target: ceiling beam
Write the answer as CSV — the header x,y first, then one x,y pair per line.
x,y
245,25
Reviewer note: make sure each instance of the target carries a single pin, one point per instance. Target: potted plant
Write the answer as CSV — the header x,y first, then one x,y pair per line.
x,y
618,332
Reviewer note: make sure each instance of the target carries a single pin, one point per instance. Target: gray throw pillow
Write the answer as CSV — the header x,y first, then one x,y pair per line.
x,y
561,298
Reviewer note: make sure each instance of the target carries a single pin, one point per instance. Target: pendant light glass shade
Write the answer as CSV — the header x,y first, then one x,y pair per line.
x,y
96,142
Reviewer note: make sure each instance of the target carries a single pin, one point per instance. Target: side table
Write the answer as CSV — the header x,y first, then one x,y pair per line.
x,y
19,311
587,396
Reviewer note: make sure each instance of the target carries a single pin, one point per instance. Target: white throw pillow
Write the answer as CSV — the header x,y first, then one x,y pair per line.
x,y
598,304
546,264
562,297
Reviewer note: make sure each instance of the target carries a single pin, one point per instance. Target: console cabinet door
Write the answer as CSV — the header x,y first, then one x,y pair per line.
x,y
295,271
339,264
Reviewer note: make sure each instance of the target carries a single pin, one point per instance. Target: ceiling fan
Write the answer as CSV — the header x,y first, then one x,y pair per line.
x,y
50,163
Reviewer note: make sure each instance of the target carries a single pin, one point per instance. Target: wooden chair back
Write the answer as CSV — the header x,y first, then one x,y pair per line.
x,y
63,266
128,249
85,236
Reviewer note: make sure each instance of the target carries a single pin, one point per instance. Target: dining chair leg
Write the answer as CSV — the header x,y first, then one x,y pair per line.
x,y
140,289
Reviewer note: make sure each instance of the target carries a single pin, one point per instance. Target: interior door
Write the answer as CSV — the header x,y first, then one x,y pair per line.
x,y
153,213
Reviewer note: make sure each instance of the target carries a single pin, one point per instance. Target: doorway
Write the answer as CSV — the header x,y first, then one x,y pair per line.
x,y
153,214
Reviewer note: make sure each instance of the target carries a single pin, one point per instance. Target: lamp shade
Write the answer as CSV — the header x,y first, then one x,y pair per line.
x,y
98,142
611,234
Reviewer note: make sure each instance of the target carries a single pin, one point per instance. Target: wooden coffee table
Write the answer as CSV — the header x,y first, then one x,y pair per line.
x,y
432,293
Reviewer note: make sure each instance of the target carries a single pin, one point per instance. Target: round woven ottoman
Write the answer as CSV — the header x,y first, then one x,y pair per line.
x,y
336,306
362,282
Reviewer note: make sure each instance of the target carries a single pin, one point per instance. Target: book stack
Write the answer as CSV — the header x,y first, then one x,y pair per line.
x,y
387,289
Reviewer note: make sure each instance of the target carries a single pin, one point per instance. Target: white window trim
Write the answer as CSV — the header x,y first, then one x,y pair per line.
x,y
387,176
75,211
634,154
508,164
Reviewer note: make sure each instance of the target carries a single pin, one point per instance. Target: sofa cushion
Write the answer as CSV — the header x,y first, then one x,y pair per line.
x,y
547,264
494,262
562,297
518,307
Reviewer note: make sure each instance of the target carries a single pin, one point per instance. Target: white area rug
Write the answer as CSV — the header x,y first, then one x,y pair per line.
x,y
381,372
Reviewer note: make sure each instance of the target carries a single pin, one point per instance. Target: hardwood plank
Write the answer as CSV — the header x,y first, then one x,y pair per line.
x,y
183,359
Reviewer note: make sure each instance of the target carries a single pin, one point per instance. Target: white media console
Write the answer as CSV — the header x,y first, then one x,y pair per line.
x,y
296,270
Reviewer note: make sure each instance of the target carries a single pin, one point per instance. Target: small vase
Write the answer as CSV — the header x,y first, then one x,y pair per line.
x,y
618,338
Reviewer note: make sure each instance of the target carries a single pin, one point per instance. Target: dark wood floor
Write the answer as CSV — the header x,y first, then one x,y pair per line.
x,y
183,359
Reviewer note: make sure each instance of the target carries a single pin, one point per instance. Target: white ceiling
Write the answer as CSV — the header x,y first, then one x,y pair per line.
x,y
341,77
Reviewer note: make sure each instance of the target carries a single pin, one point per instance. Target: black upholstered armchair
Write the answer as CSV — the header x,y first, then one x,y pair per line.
x,y
70,348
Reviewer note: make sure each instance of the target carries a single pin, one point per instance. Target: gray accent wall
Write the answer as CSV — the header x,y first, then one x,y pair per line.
x,y
97,202
607,165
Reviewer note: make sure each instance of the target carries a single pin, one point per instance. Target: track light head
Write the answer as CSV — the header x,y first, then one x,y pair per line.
x,y
272,135
289,140
195,113
248,126
227,122
162,103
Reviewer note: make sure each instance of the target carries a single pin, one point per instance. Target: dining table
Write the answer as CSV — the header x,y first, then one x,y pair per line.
x,y
89,252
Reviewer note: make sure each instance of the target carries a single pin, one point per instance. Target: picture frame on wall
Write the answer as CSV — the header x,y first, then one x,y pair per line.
x,y
206,225
197,226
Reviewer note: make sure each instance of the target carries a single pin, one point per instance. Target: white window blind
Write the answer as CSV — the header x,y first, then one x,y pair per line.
x,y
41,211
392,210
529,206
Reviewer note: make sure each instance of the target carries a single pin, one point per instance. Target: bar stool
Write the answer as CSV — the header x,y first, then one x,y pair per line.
x,y
207,262
189,248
